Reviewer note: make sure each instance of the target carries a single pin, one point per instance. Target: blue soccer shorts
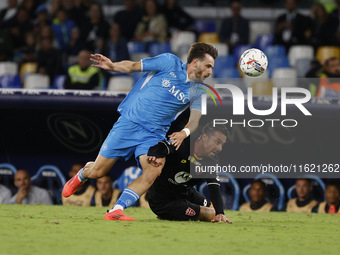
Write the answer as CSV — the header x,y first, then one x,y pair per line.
x,y
127,137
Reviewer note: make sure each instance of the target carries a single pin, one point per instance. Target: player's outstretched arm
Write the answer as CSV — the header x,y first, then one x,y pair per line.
x,y
217,201
125,66
178,137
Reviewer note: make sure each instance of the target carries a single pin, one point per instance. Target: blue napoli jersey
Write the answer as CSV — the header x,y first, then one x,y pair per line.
x,y
162,94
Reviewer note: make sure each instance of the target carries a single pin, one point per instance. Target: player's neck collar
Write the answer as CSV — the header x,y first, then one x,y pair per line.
x,y
187,80
184,66
194,152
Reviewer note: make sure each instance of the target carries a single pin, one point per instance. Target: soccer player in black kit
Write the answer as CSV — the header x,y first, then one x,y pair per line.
x,y
172,196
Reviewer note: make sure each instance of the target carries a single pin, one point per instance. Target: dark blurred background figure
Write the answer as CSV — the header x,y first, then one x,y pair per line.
x,y
30,6
152,27
10,11
42,18
128,18
96,31
292,27
332,194
76,10
331,68
315,69
18,26
324,27
336,15
176,17
74,47
62,27
83,75
207,3
6,46
27,53
49,58
116,47
46,31
234,30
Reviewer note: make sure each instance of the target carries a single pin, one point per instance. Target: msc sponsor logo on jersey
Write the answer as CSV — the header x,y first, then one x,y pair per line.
x,y
179,95
173,74
182,177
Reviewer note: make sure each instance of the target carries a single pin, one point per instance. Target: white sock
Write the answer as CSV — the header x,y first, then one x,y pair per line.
x,y
116,207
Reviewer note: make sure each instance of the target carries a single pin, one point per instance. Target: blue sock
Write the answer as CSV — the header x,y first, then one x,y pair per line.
x,y
127,198
81,176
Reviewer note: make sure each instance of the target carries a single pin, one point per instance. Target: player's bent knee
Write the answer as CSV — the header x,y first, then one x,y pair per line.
x,y
206,213
89,165
150,175
94,172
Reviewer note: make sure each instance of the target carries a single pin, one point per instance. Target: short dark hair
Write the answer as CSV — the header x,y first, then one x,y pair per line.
x,y
107,175
304,179
264,186
198,50
78,163
209,129
333,183
329,60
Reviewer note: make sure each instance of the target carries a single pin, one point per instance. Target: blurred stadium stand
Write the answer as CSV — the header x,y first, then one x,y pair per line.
x,y
261,16
8,68
7,172
120,83
52,179
297,52
10,81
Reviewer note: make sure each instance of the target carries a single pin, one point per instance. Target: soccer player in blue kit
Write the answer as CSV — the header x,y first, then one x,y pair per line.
x,y
168,88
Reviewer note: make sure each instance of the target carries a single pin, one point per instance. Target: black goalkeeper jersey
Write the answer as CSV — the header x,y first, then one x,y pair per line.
x,y
175,179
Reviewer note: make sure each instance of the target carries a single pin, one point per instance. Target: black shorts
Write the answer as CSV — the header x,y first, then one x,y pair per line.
x,y
183,208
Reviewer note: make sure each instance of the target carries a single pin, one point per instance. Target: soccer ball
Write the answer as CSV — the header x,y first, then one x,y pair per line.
x,y
253,62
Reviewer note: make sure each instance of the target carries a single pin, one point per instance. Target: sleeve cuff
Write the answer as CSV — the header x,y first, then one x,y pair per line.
x,y
141,65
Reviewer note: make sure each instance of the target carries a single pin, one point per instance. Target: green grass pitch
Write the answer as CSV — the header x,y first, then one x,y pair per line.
x,y
40,229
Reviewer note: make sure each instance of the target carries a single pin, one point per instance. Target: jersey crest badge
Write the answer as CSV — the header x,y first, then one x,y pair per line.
x,y
190,212
173,74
